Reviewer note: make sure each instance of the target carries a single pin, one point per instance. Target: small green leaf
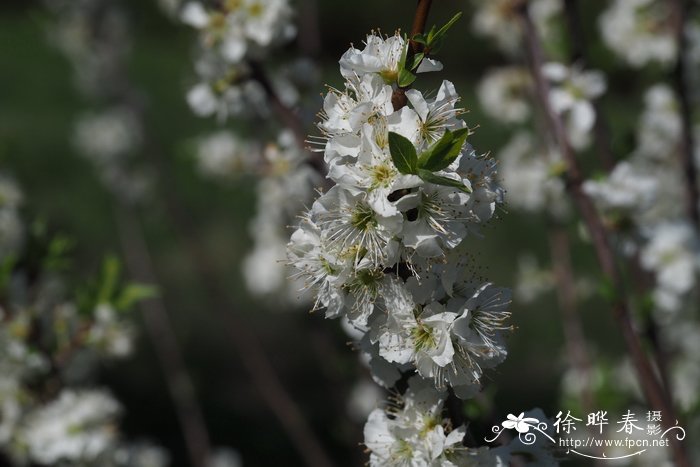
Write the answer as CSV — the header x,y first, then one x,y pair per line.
x,y
403,153
607,289
431,34
133,293
445,151
446,27
406,78
417,59
109,280
430,177
420,38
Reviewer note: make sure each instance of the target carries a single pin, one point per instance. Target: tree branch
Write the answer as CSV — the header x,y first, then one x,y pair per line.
x,y
651,386
681,10
398,97
161,334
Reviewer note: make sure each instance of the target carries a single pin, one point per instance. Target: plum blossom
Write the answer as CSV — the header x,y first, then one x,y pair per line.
x,y
571,94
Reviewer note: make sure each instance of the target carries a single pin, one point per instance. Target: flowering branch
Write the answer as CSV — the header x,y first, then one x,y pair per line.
x,y
651,386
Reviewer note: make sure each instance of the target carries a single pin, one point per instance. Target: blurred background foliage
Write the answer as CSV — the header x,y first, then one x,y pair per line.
x,y
38,107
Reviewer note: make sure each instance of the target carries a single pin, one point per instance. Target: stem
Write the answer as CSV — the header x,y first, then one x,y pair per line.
x,y
161,334
398,97
681,11
651,386
603,142
560,250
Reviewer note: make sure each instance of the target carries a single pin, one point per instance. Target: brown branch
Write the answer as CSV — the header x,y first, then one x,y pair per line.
x,y
161,334
398,97
560,251
648,379
603,142
681,11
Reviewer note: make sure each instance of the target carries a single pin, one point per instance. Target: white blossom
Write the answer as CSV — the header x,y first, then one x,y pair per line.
x,y
77,426
532,176
571,94
640,31
504,94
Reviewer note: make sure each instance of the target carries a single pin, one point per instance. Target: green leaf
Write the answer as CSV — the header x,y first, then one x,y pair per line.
x,y
403,153
133,293
445,151
420,38
430,177
109,280
405,78
417,59
446,27
435,38
607,289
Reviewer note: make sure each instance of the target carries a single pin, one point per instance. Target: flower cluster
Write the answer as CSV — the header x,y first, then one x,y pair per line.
x,y
640,31
241,28
50,344
498,20
413,431
232,35
643,196
387,247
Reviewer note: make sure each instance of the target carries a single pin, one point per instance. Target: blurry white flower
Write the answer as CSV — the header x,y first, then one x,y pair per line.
x,y
107,135
241,28
225,457
77,426
364,398
673,254
571,94
498,20
628,188
141,454
660,126
532,176
111,334
532,280
11,227
222,154
640,31
504,94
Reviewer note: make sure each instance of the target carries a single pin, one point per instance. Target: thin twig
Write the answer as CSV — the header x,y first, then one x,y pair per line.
x,y
649,381
161,334
398,97
560,251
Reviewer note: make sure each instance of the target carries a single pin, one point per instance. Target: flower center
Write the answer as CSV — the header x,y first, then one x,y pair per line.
x,y
423,337
363,218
